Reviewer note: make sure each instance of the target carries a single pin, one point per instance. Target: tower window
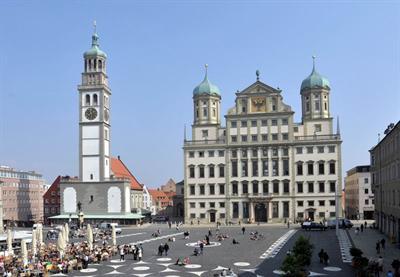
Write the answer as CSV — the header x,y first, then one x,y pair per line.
x,y
91,198
94,99
214,112
95,64
90,64
326,106
100,64
91,176
307,106
205,112
317,105
87,102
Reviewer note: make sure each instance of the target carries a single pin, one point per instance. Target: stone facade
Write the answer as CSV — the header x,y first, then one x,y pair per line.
x,y
262,166
385,172
359,195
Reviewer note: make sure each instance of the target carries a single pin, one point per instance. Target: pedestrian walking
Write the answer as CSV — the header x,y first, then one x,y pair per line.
x,y
383,241
209,232
140,254
122,253
362,228
198,222
378,247
166,248
365,224
160,249
201,248
169,224
243,230
326,258
321,256
288,224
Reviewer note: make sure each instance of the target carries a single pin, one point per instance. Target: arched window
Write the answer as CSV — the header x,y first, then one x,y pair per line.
x,y
95,64
94,99
85,65
87,102
90,64
100,65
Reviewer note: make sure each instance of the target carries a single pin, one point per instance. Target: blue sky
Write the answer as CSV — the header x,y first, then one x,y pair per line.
x,y
156,52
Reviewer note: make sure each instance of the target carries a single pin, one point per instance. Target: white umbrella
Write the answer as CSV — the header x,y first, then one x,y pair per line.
x,y
61,244
67,232
24,252
9,242
34,241
114,236
40,235
89,236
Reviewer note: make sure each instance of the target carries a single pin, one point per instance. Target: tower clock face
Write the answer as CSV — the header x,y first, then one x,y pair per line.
x,y
91,113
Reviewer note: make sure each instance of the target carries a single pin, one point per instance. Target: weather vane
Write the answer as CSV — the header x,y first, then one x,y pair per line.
x,y
94,26
258,74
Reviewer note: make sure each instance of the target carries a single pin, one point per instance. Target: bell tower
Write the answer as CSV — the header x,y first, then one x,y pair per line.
x,y
94,116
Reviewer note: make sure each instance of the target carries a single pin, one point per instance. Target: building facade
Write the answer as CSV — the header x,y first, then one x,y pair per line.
x,y
97,195
160,201
385,173
359,203
262,166
22,193
51,201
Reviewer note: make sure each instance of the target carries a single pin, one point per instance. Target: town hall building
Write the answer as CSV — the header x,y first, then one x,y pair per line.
x,y
262,166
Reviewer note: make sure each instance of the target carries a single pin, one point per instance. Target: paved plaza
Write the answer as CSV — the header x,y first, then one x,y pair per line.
x,y
248,258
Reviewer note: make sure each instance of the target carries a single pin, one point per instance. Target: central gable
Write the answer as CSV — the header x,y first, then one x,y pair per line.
x,y
258,88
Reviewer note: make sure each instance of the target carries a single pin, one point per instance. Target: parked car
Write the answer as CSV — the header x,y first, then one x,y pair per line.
x,y
159,218
106,226
310,225
343,223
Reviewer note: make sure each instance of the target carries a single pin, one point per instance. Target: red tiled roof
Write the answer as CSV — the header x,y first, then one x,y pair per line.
x,y
157,193
119,169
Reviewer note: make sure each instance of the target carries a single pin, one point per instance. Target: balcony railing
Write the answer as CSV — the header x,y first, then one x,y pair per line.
x,y
318,137
206,141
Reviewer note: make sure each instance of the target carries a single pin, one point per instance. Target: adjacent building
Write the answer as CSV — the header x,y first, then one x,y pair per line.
x,y
51,201
161,201
358,192
385,172
262,166
22,193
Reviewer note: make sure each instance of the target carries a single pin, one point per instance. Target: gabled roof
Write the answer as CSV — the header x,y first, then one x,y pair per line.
x,y
155,193
263,88
119,169
55,186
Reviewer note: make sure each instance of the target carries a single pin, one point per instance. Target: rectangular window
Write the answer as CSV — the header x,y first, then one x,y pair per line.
x,y
310,203
212,189
264,137
320,149
221,189
192,190
285,136
254,153
332,168
299,187
300,215
300,203
221,170
222,204
366,181
299,150
222,215
234,169
201,154
332,214
310,187
233,124
193,216
244,138
274,122
234,154
265,187
201,172
211,153
366,191
191,172
202,215
285,167
310,168
255,168
234,138
254,138
317,127
321,168
265,152
254,123
286,187
275,167
274,136
332,202
332,186
276,187
202,190
366,202
299,169
202,204
285,151
264,122
221,153
245,188
255,188
204,133
211,172
321,186
244,169
191,154
321,214
331,149
234,188
244,153
310,150
243,123
286,209
275,209
321,203
245,210
212,204
284,121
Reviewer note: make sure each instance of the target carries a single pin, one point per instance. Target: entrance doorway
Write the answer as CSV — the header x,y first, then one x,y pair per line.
x,y
260,212
310,214
212,216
